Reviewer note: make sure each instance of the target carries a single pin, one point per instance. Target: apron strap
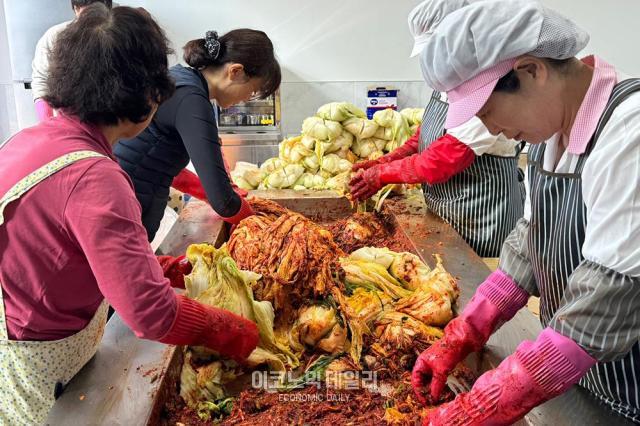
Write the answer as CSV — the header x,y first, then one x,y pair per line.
x,y
24,185
432,126
34,178
620,93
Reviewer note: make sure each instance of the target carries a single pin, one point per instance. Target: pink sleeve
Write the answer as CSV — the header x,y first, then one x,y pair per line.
x,y
104,217
43,110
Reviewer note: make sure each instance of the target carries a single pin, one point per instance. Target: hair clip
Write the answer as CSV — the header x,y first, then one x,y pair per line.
x,y
212,44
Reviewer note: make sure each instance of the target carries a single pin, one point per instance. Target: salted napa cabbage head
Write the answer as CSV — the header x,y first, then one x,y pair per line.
x,y
413,115
311,163
318,326
216,280
408,269
361,128
270,165
320,129
339,111
284,177
310,181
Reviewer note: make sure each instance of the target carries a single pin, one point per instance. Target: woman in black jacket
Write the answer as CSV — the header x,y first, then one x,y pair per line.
x,y
233,68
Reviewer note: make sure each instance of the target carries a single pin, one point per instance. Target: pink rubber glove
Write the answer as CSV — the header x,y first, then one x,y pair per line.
x,y
410,147
443,159
496,301
535,373
43,110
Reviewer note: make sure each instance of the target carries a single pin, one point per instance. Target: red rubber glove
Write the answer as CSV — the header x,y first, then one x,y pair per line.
x,y
496,300
175,268
535,373
231,335
189,183
245,211
410,147
43,110
443,159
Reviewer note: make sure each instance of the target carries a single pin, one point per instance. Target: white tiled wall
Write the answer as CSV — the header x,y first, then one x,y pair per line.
x,y
300,100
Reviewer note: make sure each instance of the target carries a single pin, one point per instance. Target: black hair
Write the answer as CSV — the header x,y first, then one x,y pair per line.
x,y
109,65
510,82
83,3
251,48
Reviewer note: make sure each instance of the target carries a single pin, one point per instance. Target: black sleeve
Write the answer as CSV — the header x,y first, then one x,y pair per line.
x,y
195,123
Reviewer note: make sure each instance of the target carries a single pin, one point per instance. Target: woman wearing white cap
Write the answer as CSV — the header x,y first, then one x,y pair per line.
x,y
512,63
471,177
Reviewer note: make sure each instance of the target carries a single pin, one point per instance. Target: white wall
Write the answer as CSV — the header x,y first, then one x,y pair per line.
x,y
332,40
366,40
613,26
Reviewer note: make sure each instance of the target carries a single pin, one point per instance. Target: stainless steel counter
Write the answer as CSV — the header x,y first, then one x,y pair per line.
x,y
121,384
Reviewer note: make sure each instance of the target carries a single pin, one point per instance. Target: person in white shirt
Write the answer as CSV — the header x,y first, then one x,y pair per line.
x,y
512,64
40,64
471,178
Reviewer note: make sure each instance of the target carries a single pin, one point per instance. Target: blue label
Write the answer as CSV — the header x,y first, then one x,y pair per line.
x,y
382,93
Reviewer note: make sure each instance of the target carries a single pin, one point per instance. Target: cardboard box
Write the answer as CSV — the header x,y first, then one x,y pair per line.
x,y
379,98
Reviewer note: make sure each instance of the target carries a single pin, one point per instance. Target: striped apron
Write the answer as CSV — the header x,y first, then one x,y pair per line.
x,y
556,234
34,373
484,201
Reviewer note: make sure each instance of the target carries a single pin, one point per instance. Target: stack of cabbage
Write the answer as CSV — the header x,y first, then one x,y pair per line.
x,y
331,141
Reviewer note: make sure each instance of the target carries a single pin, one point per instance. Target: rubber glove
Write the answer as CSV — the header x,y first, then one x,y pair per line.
x,y
535,373
496,301
175,268
196,324
443,159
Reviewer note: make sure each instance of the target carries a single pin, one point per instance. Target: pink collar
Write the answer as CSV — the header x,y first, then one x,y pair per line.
x,y
91,131
592,107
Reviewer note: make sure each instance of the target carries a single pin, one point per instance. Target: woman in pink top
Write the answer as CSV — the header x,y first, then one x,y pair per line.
x,y
71,237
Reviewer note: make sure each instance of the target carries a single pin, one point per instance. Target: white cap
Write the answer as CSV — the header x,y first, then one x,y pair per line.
x,y
473,47
426,16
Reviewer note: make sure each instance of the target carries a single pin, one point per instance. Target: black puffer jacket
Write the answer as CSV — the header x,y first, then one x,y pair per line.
x,y
183,128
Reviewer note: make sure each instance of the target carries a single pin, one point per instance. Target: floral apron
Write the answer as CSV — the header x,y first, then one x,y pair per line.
x,y
33,373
